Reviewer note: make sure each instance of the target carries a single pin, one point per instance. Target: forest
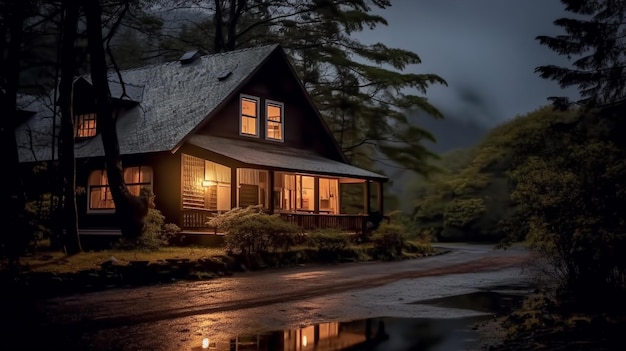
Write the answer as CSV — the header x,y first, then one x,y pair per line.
x,y
554,178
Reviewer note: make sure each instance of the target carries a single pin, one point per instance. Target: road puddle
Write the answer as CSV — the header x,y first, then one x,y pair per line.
x,y
380,333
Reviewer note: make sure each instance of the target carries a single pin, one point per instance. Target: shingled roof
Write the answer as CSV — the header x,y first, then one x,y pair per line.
x,y
174,98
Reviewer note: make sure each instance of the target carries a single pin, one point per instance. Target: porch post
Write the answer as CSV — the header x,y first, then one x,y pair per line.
x,y
316,194
271,190
366,192
234,184
379,184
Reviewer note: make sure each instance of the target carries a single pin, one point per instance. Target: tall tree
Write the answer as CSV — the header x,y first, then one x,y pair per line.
x,y
66,143
362,90
594,41
12,197
130,210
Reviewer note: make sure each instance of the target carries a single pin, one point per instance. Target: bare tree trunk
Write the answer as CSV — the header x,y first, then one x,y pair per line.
x,y
12,196
130,210
67,160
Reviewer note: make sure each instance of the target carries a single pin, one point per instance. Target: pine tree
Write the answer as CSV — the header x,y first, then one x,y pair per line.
x,y
595,42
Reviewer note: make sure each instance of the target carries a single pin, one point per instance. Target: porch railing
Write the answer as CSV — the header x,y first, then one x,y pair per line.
x,y
195,220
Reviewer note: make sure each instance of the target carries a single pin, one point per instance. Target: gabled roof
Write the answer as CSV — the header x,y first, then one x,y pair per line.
x,y
175,98
167,104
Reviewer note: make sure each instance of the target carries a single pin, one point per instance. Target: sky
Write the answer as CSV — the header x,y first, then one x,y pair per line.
x,y
485,49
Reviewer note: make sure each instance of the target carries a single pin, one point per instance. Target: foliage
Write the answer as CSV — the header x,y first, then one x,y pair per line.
x,y
251,231
155,235
593,41
389,240
364,91
569,194
329,242
470,198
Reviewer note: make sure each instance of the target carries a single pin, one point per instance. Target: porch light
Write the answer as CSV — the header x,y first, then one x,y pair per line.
x,y
304,341
205,343
208,183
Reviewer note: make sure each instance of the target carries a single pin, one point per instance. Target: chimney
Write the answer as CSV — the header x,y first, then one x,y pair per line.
x,y
189,57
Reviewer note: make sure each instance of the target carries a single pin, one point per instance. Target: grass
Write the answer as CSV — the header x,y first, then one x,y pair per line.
x,y
44,260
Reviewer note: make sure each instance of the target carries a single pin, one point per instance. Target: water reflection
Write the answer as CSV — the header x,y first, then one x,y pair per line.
x,y
382,333
370,334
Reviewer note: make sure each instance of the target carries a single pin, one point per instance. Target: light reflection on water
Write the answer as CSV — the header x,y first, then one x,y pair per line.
x,y
377,334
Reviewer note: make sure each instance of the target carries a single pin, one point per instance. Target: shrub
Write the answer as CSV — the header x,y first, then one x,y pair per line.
x,y
155,234
330,243
251,231
389,240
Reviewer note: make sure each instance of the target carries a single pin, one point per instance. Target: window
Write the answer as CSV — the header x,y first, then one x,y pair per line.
x,y
249,116
85,125
252,186
206,185
274,114
100,197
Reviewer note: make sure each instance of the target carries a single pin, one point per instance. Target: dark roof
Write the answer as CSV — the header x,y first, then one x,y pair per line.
x,y
279,156
174,99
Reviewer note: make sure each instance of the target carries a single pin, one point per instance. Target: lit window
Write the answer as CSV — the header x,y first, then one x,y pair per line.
x,y
100,197
249,116
86,125
274,113
206,184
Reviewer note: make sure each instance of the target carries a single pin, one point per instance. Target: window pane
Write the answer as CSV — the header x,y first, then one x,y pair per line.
x,y
273,113
248,107
248,125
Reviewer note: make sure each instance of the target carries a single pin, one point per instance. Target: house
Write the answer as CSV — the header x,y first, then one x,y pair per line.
x,y
207,134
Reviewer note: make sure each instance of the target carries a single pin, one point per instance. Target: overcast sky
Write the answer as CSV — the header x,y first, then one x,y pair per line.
x,y
485,49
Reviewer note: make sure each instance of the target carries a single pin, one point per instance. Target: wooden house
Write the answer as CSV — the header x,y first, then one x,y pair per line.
x,y
207,134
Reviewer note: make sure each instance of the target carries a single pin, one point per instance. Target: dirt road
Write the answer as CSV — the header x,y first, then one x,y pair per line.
x,y
173,317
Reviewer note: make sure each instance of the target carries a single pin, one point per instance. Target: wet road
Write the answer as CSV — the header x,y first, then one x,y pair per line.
x,y
178,316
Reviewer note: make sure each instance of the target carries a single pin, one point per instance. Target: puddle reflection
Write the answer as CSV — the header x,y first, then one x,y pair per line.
x,y
370,334
381,333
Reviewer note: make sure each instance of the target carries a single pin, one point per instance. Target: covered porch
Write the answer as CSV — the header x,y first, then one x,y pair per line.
x,y
303,187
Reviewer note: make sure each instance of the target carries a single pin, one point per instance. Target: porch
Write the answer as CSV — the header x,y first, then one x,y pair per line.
x,y
195,221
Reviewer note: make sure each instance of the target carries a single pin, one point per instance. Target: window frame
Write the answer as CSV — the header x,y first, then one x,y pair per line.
x,y
79,121
280,105
257,101
107,210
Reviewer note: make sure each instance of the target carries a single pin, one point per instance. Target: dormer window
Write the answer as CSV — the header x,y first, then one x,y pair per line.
x,y
249,119
85,125
274,113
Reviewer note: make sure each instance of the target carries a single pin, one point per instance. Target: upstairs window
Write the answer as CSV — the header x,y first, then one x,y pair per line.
x,y
249,116
274,113
85,125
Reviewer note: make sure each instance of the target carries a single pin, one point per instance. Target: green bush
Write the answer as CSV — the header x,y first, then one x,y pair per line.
x,y
329,242
251,231
389,240
155,234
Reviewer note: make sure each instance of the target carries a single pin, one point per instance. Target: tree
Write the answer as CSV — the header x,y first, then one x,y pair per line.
x,y
362,90
131,210
12,197
594,40
66,148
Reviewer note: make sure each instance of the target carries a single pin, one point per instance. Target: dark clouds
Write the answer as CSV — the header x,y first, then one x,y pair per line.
x,y
485,49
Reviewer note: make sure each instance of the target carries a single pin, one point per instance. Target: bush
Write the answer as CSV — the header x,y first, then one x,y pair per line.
x,y
389,240
330,243
156,233
251,231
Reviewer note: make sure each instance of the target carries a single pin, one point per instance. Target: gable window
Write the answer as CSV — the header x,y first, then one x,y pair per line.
x,y
249,116
100,197
274,114
86,125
